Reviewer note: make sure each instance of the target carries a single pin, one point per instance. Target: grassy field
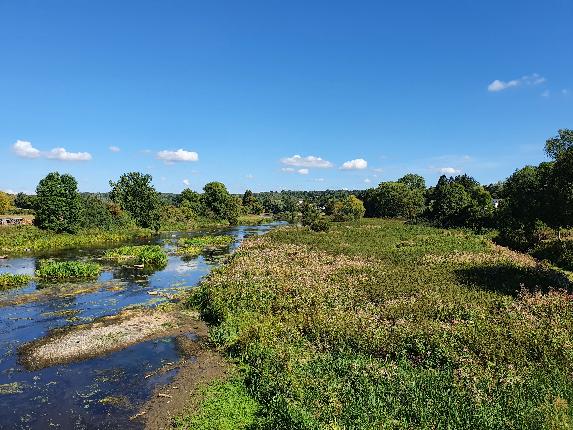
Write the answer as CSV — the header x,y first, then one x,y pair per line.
x,y
381,325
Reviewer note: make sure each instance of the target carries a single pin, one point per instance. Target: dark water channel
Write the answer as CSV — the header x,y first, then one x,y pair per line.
x,y
104,392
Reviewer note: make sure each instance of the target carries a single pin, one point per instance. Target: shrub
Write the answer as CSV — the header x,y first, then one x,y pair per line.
x,y
148,255
9,280
193,246
58,270
348,208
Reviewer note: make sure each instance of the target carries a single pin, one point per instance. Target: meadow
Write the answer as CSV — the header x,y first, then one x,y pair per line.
x,y
381,324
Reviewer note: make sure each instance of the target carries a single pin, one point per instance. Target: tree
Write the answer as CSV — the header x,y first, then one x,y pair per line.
x,y
348,208
5,202
313,218
58,206
190,202
414,181
96,213
219,204
557,145
393,200
251,204
460,202
135,195
24,201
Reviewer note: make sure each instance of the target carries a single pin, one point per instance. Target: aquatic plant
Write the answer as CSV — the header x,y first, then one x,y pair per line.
x,y
9,280
148,255
60,270
193,246
14,240
381,324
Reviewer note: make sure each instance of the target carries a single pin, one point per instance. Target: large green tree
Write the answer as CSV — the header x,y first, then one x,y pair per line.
x,y
348,208
219,204
394,199
58,205
135,194
557,145
5,202
251,204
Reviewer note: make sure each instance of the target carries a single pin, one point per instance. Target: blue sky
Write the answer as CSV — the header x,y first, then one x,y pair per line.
x,y
272,95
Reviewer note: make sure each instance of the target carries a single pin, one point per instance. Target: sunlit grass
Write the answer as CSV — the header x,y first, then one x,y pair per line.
x,y
9,280
193,246
148,255
62,270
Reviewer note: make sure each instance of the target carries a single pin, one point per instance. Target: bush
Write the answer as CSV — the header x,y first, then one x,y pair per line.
x,y
348,208
99,214
193,246
59,270
313,218
9,280
148,255
558,252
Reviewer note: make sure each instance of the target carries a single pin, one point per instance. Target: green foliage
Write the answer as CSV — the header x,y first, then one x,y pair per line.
x,y
9,280
24,201
97,213
379,324
193,246
394,200
413,181
15,240
6,202
148,255
312,217
556,146
219,204
460,202
190,203
225,406
135,195
58,205
348,208
558,252
251,204
60,270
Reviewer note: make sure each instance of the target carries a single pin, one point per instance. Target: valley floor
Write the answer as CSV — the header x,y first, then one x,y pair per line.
x,y
380,324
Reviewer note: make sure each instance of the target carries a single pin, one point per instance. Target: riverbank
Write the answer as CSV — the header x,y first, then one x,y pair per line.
x,y
386,325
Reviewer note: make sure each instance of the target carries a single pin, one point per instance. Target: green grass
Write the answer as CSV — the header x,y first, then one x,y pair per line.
x,y
225,406
385,325
193,246
9,280
17,240
62,270
148,255
254,219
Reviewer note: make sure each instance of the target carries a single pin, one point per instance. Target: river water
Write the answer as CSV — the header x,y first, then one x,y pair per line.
x,y
103,392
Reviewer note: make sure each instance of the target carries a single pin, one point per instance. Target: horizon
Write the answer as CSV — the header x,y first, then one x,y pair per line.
x,y
271,96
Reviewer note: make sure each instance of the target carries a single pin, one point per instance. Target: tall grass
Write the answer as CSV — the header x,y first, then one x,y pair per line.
x,y
148,255
61,270
385,325
14,240
193,246
9,280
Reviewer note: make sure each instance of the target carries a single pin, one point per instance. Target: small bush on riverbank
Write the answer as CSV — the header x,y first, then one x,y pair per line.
x,y
61,270
9,280
148,255
193,246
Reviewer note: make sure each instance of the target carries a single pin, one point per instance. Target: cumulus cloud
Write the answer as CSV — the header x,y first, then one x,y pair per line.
x,y
449,171
187,182
358,164
114,148
499,85
309,162
302,171
287,169
179,155
25,149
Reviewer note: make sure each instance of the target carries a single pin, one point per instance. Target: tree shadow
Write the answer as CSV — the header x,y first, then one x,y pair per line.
x,y
510,279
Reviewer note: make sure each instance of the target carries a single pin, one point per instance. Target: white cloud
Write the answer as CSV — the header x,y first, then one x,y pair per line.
x,y
357,164
287,169
319,179
25,149
293,170
449,171
187,182
498,85
62,154
367,181
302,171
179,155
114,148
309,162
249,176
9,191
